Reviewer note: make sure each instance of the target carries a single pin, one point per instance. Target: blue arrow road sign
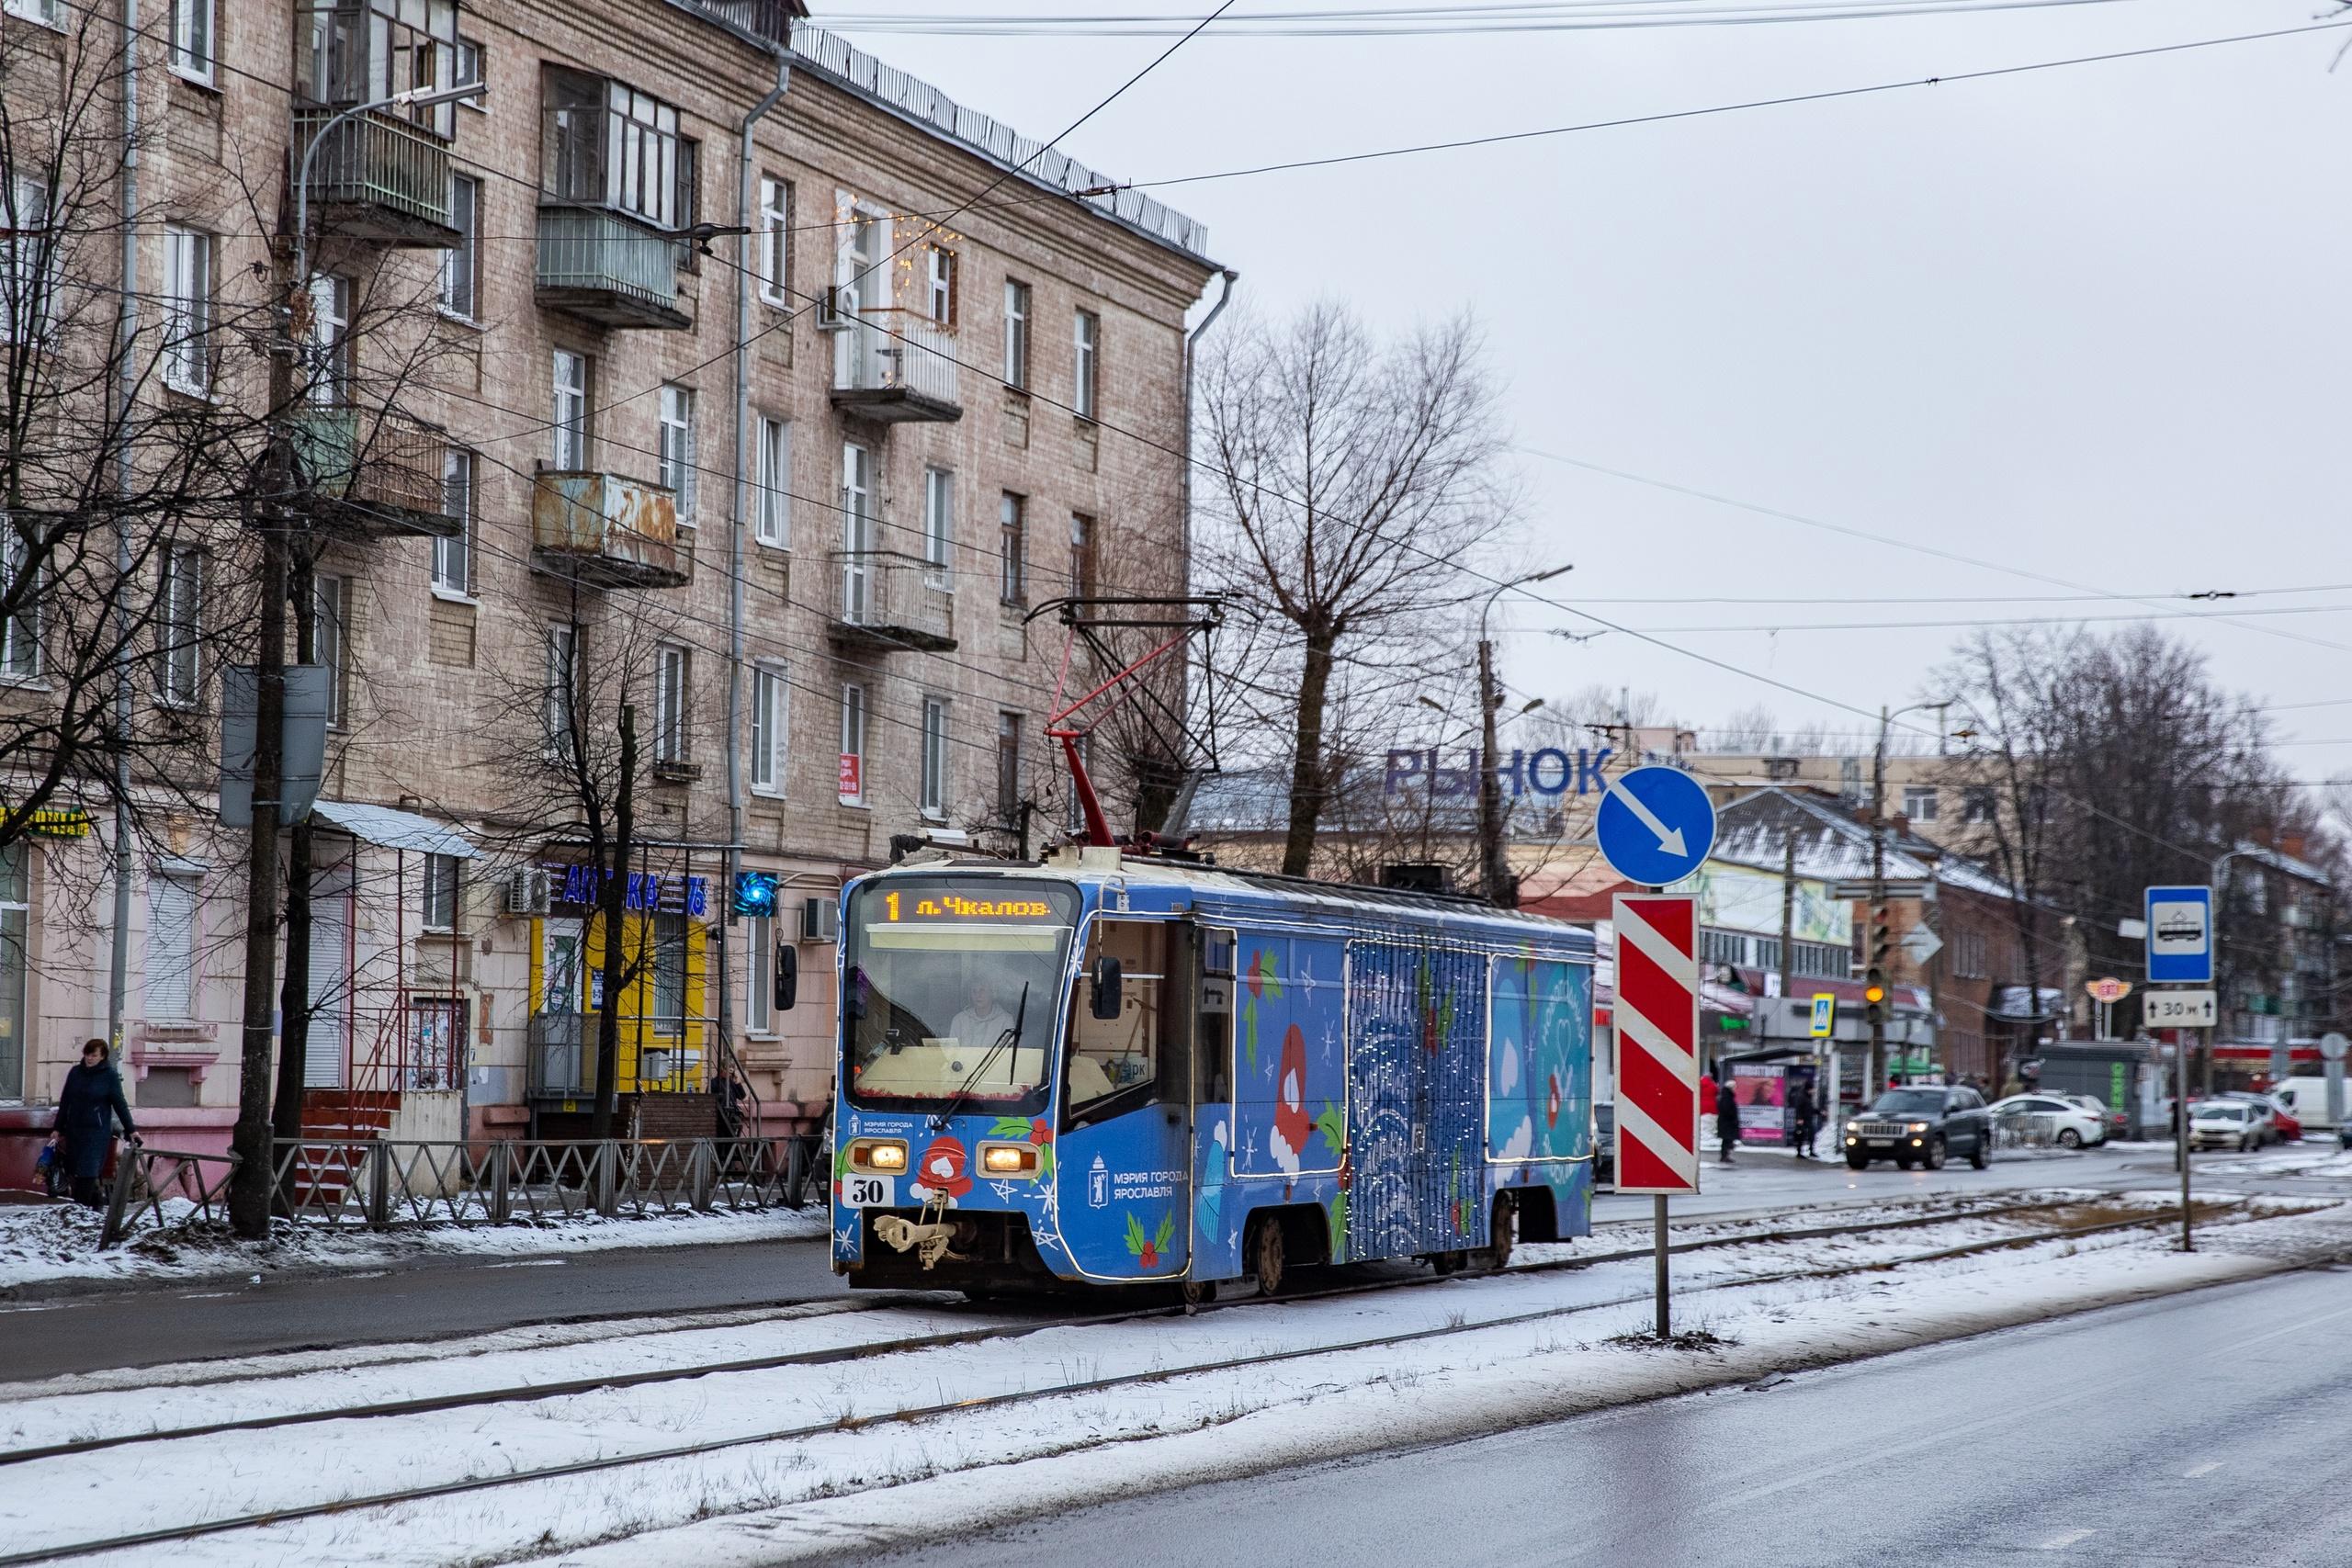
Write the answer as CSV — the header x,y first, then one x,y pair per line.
x,y
1655,825
2180,935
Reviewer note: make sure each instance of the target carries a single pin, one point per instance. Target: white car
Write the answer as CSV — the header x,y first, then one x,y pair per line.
x,y
2047,1118
2225,1124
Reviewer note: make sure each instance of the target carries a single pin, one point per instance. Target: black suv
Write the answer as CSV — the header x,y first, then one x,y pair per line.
x,y
1922,1126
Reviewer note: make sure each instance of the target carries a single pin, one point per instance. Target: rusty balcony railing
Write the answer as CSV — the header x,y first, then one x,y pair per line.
x,y
608,530
378,176
906,372
888,601
378,473
607,268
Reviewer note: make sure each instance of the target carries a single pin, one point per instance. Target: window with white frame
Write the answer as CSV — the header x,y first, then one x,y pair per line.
x,y
671,693
938,523
187,310
759,998
560,700
470,62
852,769
935,757
16,916
172,913
771,519
1082,554
1016,333
569,419
770,716
857,507
1088,334
191,50
677,452
28,256
327,357
440,892
330,613
461,264
775,241
668,973
19,586
453,555
1977,805
939,285
179,623
1012,548
41,11
1920,802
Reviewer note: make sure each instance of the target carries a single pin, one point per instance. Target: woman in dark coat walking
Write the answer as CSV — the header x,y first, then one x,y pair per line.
x,y
1726,1117
91,1091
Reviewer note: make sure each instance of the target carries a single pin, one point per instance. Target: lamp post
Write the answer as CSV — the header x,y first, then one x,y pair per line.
x,y
1876,974
1494,866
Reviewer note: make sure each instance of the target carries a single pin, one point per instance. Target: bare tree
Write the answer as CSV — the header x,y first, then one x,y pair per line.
x,y
1356,484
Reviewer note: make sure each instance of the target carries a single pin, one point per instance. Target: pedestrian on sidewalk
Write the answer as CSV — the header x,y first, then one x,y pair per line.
x,y
734,1096
1807,1124
1726,1119
80,1131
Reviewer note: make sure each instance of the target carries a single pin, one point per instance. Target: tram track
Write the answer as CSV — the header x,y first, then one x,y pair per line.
x,y
987,1402
865,1349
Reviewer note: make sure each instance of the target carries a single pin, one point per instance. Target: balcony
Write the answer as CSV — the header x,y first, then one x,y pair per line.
x,y
375,474
603,267
607,531
377,177
887,602
894,376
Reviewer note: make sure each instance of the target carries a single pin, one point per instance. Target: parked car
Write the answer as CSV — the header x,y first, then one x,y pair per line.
x,y
2115,1122
2224,1125
2283,1120
2306,1100
2069,1124
1921,1126
1605,1141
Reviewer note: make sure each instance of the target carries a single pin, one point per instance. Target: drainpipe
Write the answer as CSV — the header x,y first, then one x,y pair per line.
x,y
743,240
1192,345
126,391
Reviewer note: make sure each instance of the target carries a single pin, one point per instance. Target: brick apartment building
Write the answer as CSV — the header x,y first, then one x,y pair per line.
x,y
963,393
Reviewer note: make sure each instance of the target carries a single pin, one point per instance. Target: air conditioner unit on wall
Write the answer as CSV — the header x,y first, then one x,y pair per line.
x,y
527,892
820,919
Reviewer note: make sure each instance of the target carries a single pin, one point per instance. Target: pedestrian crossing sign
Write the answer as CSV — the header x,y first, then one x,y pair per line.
x,y
1825,1016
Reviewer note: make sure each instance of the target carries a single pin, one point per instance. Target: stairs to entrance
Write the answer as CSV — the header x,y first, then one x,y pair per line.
x,y
326,1174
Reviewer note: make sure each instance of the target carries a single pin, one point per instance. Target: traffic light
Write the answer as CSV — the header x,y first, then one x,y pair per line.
x,y
1874,996
1881,942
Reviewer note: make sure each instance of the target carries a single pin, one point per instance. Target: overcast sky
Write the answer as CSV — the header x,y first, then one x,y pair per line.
x,y
2090,324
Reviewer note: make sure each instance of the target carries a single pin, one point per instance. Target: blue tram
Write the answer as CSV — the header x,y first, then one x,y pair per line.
x,y
1111,1070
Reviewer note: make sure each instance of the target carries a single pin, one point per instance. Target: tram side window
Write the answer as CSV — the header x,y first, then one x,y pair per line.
x,y
1114,1063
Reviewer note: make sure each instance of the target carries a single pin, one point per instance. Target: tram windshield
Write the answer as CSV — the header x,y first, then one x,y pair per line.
x,y
953,988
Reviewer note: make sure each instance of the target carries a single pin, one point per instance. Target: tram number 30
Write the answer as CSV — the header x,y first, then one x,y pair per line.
x,y
869,1191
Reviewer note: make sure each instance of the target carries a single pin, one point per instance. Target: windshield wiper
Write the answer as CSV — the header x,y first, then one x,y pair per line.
x,y
1010,1038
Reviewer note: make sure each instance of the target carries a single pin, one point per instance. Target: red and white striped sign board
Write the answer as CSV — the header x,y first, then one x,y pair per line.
x,y
1657,1042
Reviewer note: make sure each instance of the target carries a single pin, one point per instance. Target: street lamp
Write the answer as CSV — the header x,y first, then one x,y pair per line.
x,y
1874,987
1494,868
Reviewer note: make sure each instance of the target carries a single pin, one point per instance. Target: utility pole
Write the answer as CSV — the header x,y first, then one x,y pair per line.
x,y
1875,980
250,1186
1494,864
1787,914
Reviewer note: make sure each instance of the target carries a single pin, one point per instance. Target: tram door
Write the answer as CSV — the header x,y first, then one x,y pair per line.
x,y
1124,1171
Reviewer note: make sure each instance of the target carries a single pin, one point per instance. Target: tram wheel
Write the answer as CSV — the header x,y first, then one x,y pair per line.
x,y
1197,1292
1502,1235
1268,1260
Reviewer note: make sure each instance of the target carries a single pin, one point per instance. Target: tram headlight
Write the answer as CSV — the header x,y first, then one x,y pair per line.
x,y
881,1156
1009,1159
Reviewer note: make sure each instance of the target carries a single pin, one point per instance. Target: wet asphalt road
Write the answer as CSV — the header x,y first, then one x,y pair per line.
x,y
2208,1428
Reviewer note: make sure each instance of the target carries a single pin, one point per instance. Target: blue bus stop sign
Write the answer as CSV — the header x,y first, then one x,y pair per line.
x,y
1655,825
2180,935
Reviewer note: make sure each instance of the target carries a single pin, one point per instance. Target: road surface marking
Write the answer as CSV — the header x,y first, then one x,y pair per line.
x,y
532,1263
2061,1542
2208,1468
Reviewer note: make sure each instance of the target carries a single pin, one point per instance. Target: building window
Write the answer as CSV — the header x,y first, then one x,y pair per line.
x,y
461,264
1082,554
768,718
935,757
759,1001
1013,547
191,51
172,906
775,241
15,915
470,74
668,973
41,11
179,624
440,892
1089,345
328,355
938,523
670,697
1977,805
19,586
1920,802
570,421
562,687
1008,769
676,457
939,285
858,502
852,769
187,310
1016,334
1820,960
28,256
453,555
1722,947
616,147
772,520
1076,817
330,610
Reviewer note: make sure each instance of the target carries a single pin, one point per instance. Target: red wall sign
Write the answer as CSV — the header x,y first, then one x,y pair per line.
x,y
1657,1043
853,775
